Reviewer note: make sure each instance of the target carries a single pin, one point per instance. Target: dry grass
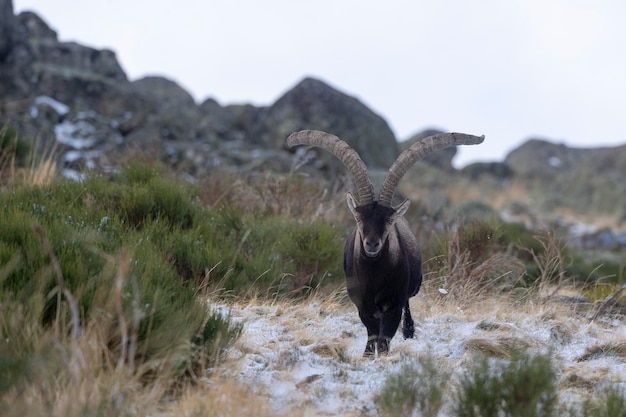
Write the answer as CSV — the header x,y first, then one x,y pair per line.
x,y
500,345
616,349
472,265
41,168
291,196
219,397
83,387
78,373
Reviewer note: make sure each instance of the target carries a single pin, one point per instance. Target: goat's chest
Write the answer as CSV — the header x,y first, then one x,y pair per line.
x,y
381,273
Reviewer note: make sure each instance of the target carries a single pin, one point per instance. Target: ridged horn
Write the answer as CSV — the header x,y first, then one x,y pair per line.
x,y
344,152
418,151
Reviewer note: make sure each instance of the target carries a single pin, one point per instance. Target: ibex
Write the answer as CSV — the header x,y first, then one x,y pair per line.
x,y
382,259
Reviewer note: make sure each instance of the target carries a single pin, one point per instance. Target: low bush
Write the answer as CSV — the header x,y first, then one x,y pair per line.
x,y
112,267
523,387
608,402
416,390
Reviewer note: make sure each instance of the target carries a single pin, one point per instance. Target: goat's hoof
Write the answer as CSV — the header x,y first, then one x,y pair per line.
x,y
382,346
370,349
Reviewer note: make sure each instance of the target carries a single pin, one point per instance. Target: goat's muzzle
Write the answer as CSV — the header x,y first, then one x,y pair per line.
x,y
372,247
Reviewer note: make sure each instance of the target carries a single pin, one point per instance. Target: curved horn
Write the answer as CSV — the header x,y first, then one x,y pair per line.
x,y
418,151
346,154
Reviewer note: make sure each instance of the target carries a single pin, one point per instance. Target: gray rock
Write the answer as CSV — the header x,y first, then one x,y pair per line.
x,y
7,28
586,180
40,64
248,123
216,122
313,104
169,110
31,26
498,170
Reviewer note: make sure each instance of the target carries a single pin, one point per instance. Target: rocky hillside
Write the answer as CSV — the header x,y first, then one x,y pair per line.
x,y
81,99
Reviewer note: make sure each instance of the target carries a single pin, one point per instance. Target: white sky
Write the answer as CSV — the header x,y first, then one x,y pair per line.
x,y
508,69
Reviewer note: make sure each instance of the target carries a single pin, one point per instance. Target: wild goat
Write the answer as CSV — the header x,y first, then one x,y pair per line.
x,y
382,259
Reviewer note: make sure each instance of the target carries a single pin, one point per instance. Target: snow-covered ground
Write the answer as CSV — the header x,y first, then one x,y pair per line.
x,y
305,359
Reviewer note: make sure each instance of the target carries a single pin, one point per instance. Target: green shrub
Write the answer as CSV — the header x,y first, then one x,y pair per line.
x,y
272,255
610,402
519,239
417,389
523,387
133,226
149,230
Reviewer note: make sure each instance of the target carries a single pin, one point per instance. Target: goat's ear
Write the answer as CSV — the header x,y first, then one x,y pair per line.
x,y
352,204
402,208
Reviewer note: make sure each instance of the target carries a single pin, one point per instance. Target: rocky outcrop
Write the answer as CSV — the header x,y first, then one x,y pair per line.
x,y
587,181
541,158
38,64
538,158
7,28
497,170
312,104
81,97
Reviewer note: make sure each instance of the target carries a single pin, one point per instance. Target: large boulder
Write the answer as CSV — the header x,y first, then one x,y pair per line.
x,y
539,158
34,28
216,121
169,111
38,64
7,28
543,159
497,170
313,104
589,181
247,124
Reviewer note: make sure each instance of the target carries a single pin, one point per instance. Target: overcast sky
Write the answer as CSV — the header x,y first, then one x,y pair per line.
x,y
508,69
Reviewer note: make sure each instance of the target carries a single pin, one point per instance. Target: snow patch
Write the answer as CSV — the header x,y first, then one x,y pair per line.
x,y
555,161
60,108
308,358
78,135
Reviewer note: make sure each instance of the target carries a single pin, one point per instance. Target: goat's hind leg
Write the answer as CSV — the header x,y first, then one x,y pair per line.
x,y
408,325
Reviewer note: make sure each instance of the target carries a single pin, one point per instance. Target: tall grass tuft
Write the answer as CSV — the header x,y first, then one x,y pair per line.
x,y
21,163
470,261
125,348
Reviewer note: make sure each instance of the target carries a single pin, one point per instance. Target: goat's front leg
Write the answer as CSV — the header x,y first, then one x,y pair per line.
x,y
390,320
372,324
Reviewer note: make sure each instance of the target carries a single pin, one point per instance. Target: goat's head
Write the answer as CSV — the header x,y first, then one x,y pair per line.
x,y
376,218
374,221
